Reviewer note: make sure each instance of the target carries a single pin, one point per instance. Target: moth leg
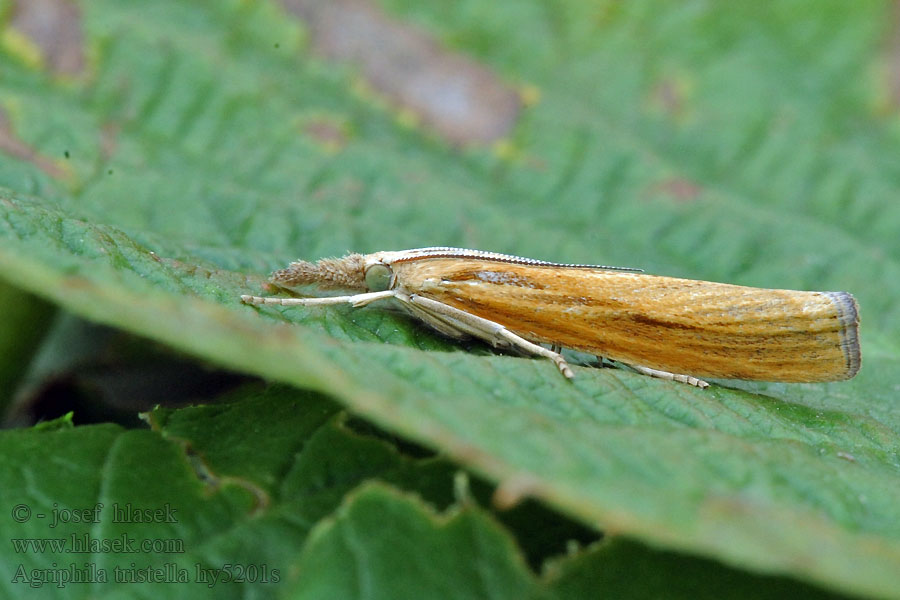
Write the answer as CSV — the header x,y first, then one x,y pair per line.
x,y
355,300
447,323
670,376
489,331
447,327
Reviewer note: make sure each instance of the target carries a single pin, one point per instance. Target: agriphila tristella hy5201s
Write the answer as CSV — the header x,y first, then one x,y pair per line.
x,y
677,329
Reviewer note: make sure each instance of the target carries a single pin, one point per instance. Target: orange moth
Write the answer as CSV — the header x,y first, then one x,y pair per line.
x,y
677,329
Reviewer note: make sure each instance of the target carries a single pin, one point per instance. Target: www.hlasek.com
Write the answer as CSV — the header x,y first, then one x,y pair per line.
x,y
88,544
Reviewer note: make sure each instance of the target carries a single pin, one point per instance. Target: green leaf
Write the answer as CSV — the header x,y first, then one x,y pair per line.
x,y
25,320
77,496
752,145
626,570
251,497
368,549
228,495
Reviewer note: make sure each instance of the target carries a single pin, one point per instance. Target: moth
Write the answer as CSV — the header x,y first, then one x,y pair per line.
x,y
676,329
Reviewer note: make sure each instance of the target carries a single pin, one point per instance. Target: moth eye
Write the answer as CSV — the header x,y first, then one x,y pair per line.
x,y
378,277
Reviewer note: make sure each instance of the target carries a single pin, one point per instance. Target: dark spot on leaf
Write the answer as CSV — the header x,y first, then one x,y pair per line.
x,y
109,134
669,97
54,26
11,144
76,282
460,99
327,132
66,154
536,163
678,188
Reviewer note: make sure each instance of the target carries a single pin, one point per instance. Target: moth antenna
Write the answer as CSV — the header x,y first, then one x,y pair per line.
x,y
347,272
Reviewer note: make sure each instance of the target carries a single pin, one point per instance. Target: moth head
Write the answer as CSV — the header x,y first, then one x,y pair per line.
x,y
363,272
